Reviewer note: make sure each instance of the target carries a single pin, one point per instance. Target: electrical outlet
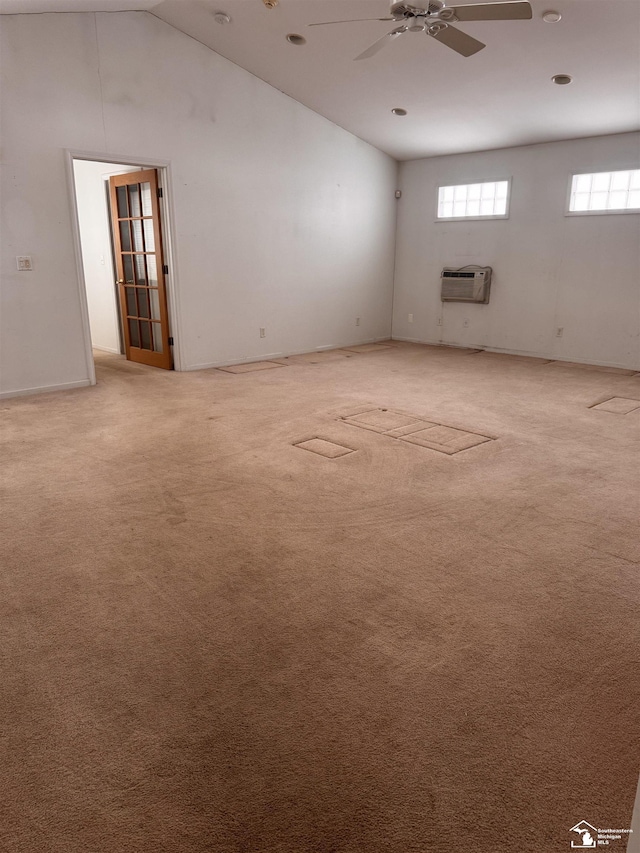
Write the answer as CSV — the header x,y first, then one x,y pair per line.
x,y
559,331
263,332
24,263
439,321
357,321
465,323
411,318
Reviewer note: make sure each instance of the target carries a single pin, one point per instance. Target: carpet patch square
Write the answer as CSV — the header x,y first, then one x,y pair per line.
x,y
383,420
414,426
416,430
445,439
325,448
251,367
618,405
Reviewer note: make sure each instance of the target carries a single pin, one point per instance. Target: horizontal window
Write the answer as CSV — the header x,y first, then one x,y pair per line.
x,y
605,191
474,201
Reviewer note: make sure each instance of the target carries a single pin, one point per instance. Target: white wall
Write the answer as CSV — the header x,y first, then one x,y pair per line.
x,y
282,219
550,270
97,260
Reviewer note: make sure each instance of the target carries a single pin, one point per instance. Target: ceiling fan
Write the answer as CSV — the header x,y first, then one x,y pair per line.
x,y
435,19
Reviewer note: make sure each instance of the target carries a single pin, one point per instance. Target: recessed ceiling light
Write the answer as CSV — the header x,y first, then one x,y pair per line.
x,y
399,111
551,17
294,38
221,18
562,79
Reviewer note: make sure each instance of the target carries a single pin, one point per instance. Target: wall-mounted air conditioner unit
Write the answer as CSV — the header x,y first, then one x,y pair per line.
x,y
465,285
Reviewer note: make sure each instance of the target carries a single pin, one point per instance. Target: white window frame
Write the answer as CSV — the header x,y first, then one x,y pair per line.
x,y
615,211
505,215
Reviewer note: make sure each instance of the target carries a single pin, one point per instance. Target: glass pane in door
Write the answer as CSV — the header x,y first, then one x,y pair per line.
x,y
132,309
145,191
127,262
155,304
152,271
134,334
149,240
140,271
125,236
157,337
134,200
121,196
138,243
145,335
143,302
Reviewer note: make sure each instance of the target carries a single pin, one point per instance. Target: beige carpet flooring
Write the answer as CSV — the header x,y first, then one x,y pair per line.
x,y
216,640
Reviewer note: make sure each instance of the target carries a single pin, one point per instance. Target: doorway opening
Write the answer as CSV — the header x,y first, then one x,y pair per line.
x,y
121,238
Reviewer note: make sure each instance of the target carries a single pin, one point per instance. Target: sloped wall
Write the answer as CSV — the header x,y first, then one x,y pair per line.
x,y
282,219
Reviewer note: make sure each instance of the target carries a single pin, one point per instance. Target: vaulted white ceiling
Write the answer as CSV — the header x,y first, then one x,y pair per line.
x,y
501,96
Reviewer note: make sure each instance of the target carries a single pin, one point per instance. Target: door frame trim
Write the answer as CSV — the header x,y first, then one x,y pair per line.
x,y
168,230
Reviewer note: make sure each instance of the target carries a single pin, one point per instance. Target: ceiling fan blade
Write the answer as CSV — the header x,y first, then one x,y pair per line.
x,y
378,45
457,40
516,11
350,21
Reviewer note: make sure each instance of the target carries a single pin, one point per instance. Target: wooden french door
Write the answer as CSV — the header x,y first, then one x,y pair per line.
x,y
137,239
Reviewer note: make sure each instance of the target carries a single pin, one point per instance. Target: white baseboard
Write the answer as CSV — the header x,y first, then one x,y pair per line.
x,y
529,354
434,343
106,349
284,354
44,389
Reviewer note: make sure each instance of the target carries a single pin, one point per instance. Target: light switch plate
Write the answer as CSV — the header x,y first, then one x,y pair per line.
x,y
24,263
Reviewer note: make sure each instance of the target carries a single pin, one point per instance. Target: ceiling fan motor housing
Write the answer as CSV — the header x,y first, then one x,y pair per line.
x,y
402,10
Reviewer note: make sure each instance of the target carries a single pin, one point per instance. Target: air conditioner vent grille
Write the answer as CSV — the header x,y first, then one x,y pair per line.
x,y
465,285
